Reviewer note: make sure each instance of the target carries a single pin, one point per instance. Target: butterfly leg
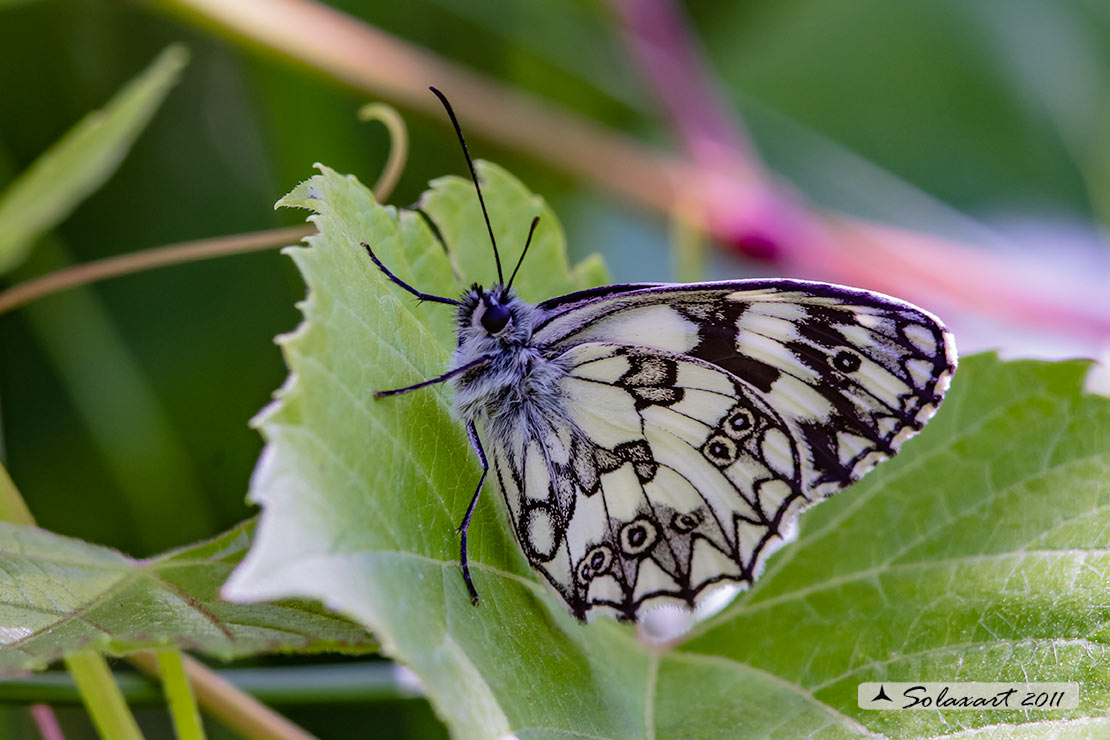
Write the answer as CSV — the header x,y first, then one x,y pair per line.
x,y
403,284
446,376
477,444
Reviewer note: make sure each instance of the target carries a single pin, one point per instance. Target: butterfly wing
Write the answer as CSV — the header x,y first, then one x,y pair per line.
x,y
698,421
856,372
667,475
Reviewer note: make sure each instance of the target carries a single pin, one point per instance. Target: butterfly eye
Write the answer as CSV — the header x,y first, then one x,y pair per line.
x,y
495,318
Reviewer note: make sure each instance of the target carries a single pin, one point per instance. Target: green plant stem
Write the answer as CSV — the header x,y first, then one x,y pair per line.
x,y
221,699
348,683
398,146
179,694
102,698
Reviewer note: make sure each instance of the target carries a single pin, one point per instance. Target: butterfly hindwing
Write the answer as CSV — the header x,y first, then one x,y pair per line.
x,y
697,422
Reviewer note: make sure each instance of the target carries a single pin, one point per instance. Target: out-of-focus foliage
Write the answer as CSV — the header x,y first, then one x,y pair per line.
x,y
81,160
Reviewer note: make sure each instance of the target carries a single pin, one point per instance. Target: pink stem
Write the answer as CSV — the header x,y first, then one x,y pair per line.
x,y
747,209
659,38
46,722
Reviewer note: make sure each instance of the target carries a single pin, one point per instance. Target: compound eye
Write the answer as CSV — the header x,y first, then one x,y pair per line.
x,y
495,318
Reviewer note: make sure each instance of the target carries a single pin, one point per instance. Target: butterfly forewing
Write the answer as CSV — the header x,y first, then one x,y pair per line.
x,y
698,421
844,363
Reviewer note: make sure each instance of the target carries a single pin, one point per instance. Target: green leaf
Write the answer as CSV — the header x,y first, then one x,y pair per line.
x,y
453,206
980,553
12,506
60,595
79,163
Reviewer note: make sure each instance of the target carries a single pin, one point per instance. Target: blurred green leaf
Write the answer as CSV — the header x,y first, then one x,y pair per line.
x,y
80,162
60,595
453,207
980,553
534,36
12,506
123,412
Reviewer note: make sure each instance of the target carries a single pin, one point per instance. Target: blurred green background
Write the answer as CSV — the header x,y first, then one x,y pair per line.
x,y
125,405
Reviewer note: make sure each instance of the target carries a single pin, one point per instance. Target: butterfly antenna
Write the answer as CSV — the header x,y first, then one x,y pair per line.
x,y
527,244
473,176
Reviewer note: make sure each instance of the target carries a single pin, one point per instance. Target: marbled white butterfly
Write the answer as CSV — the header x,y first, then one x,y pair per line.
x,y
652,440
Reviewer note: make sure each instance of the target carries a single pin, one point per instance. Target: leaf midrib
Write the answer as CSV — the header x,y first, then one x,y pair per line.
x,y
131,573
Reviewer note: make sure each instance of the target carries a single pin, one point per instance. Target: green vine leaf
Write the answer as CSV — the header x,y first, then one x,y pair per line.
x,y
60,595
980,553
83,159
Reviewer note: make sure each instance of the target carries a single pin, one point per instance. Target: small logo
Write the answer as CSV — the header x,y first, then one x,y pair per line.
x,y
971,695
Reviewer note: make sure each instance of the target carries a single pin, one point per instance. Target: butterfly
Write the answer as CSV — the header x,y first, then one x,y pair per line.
x,y
654,440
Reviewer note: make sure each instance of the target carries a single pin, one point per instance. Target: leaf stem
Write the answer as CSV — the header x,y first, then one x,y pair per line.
x,y
223,701
102,698
179,695
191,251
398,146
346,683
385,66
46,722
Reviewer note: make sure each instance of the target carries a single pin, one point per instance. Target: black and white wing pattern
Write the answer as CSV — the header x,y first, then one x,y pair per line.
x,y
697,421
